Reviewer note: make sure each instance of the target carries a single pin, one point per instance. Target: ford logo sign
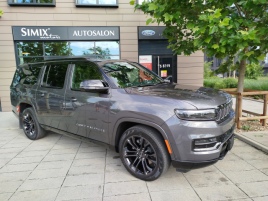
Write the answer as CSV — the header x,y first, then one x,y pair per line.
x,y
148,32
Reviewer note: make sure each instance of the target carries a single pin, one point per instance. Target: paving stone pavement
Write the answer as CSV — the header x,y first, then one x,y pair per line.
x,y
60,168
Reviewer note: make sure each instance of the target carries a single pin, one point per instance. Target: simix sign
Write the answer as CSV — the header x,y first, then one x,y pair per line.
x,y
65,33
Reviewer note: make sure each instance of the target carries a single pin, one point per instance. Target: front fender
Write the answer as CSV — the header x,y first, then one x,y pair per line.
x,y
115,137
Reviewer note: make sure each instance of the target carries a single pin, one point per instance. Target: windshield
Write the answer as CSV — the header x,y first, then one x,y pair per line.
x,y
126,74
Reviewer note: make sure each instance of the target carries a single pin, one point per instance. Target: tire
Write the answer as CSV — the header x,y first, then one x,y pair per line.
x,y
30,125
143,153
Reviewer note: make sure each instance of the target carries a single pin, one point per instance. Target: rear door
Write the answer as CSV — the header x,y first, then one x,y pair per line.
x,y
50,94
88,112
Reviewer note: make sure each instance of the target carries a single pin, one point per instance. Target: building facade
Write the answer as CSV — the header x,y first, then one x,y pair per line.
x,y
31,30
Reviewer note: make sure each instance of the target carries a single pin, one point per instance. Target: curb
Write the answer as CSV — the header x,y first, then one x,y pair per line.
x,y
252,142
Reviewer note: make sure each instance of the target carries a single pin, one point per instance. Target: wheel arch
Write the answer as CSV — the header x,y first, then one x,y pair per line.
x,y
125,124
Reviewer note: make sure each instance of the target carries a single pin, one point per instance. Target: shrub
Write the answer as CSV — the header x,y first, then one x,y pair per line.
x,y
207,70
260,84
230,82
210,82
253,71
220,84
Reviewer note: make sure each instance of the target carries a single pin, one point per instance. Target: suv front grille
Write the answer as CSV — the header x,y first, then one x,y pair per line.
x,y
223,111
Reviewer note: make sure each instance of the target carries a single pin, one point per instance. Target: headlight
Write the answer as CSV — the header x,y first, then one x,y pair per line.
x,y
198,115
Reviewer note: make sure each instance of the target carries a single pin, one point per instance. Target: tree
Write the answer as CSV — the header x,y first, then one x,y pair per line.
x,y
221,28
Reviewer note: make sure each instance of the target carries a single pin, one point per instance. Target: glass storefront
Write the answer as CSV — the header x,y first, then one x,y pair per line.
x,y
36,51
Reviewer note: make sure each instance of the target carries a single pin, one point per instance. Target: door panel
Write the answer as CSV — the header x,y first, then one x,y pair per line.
x,y
87,112
50,95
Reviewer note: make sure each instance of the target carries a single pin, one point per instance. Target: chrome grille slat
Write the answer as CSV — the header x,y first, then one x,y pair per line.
x,y
223,111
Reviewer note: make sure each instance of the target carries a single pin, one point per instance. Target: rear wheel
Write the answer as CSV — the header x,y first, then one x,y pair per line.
x,y
30,125
143,153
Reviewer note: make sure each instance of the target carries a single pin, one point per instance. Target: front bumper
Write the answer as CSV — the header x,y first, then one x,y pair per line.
x,y
199,142
227,146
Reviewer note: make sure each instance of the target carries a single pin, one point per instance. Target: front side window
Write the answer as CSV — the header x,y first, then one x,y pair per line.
x,y
31,2
105,3
55,75
126,74
84,71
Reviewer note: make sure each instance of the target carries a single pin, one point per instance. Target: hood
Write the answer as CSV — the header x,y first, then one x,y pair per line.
x,y
199,97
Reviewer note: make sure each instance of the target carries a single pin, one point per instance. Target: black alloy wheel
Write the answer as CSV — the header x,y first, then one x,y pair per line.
x,y
28,125
143,153
31,127
140,155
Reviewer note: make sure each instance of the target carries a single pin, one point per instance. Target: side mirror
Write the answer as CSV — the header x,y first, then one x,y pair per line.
x,y
168,79
93,86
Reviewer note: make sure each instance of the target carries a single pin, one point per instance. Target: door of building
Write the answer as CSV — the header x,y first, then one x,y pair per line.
x,y
163,66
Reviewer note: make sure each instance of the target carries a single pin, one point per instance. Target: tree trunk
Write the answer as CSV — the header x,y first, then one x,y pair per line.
x,y
241,77
240,89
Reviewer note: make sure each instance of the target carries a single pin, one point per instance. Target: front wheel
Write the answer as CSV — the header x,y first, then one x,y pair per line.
x,y
143,153
31,127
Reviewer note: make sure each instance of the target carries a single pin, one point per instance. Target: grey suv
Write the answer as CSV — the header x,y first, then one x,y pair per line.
x,y
126,107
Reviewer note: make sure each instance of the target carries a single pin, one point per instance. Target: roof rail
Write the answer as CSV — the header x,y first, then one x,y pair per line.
x,y
85,57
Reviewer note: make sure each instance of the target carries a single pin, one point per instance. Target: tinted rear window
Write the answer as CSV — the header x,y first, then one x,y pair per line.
x,y
26,75
54,76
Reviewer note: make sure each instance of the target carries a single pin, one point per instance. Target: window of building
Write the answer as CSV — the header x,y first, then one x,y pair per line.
x,y
141,1
32,2
28,52
97,3
55,75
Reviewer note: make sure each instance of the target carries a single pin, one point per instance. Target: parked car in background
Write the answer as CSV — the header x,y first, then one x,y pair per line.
x,y
126,107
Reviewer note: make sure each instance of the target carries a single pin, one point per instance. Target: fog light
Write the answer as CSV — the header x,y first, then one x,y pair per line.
x,y
205,141
206,144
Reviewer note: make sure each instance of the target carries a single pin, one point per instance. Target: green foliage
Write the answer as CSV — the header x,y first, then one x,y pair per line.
x,y
227,66
259,84
210,82
1,13
230,82
224,29
253,71
246,127
207,70
220,83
